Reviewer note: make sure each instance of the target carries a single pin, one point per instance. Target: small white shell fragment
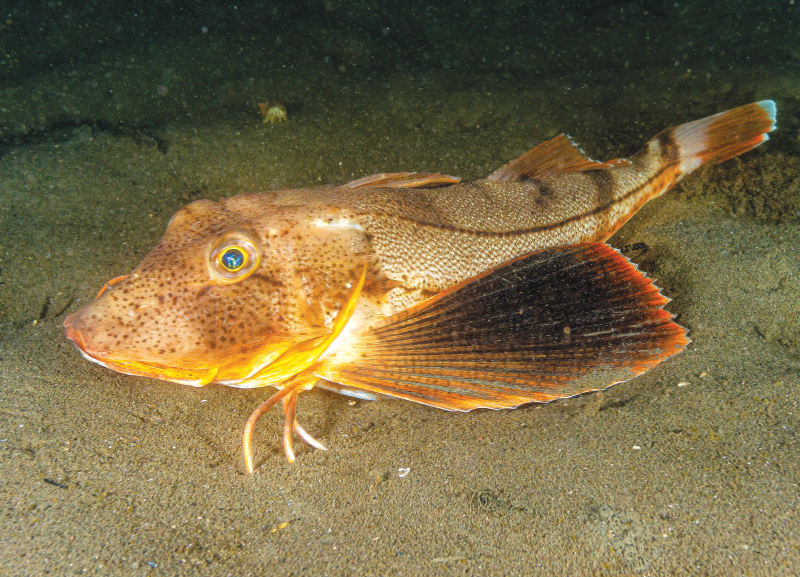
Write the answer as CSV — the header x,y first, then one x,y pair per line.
x,y
683,384
403,472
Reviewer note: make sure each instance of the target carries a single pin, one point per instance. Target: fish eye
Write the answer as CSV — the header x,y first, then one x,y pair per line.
x,y
234,258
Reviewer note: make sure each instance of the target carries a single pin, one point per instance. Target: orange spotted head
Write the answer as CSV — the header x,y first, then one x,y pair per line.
x,y
231,287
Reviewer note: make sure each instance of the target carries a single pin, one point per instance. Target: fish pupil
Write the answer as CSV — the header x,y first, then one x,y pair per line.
x,y
232,259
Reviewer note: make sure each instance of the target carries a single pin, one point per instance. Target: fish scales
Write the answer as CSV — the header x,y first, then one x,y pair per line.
x,y
492,293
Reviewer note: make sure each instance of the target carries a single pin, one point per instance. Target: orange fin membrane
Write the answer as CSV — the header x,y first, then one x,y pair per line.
x,y
294,364
721,136
551,158
404,180
553,324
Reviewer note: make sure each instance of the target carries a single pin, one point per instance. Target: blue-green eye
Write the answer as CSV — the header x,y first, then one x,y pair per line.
x,y
233,259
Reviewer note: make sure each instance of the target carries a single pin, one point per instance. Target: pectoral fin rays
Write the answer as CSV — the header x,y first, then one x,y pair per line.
x,y
288,394
297,361
553,324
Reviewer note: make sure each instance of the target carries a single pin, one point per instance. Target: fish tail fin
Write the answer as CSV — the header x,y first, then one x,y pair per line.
x,y
716,138
673,153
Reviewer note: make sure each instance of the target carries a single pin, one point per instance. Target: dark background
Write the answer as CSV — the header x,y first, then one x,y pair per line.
x,y
508,36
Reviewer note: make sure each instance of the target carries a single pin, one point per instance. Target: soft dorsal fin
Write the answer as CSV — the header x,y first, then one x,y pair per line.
x,y
404,180
553,324
551,158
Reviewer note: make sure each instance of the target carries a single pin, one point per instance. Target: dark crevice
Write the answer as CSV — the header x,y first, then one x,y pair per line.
x,y
61,130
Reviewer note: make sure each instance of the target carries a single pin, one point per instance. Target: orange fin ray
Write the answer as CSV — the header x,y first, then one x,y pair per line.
x,y
721,136
291,425
290,412
551,158
288,394
553,324
250,426
404,180
296,362
110,283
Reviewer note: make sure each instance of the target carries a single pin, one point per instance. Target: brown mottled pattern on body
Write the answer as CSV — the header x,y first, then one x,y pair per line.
x,y
172,312
283,288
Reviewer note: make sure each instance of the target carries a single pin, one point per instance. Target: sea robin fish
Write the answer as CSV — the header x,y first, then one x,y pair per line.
x,y
486,294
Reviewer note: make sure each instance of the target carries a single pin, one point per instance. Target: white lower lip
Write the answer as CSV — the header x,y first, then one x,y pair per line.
x,y
191,383
89,357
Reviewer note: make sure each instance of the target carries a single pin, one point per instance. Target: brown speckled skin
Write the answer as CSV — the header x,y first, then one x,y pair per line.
x,y
172,312
172,318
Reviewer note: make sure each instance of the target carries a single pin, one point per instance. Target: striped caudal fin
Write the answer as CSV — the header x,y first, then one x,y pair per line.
x,y
673,153
719,137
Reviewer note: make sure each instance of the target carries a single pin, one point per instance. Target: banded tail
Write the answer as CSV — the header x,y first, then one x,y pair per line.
x,y
677,151
719,137
583,200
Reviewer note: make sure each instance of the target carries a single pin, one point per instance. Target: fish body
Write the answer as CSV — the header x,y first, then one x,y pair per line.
x,y
398,283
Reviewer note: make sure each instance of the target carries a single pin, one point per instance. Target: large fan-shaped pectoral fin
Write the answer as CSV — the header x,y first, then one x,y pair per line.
x,y
552,324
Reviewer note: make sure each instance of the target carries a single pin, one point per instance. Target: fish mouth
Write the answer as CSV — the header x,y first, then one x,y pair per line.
x,y
195,377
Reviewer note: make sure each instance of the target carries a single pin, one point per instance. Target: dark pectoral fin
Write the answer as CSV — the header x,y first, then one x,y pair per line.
x,y
551,158
404,180
548,325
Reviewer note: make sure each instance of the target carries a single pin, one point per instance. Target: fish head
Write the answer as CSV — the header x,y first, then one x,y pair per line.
x,y
231,287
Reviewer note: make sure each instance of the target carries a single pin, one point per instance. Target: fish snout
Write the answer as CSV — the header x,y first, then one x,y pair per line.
x,y
87,332
72,329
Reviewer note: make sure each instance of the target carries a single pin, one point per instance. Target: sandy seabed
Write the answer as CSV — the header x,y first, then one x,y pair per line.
x,y
690,469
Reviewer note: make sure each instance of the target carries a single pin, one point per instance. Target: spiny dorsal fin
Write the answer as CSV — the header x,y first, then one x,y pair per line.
x,y
551,158
404,180
553,324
